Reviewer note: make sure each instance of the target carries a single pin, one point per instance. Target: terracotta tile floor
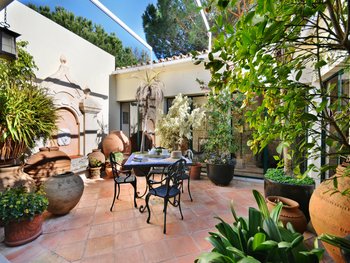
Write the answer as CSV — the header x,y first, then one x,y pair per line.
x,y
91,233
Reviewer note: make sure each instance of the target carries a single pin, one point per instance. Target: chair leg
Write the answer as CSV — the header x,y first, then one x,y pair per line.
x,y
115,193
165,210
189,191
118,191
147,206
182,217
135,192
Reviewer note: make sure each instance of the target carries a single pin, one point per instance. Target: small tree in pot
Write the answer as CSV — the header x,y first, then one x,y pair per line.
x,y
175,128
222,142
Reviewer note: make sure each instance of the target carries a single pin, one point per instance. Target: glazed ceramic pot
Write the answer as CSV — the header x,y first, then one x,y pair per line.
x,y
24,231
290,212
47,162
330,213
220,174
64,192
13,176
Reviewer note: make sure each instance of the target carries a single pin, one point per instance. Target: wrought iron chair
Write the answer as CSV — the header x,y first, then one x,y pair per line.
x,y
121,177
186,175
168,188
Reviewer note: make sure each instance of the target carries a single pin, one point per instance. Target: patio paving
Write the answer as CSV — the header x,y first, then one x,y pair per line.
x,y
91,233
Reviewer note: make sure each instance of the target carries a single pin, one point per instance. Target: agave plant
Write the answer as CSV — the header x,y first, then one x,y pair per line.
x,y
260,238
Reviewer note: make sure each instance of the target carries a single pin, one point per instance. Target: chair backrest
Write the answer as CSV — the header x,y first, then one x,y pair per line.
x,y
116,166
175,173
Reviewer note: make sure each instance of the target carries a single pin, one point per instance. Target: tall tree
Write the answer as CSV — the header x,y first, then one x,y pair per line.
x,y
93,33
271,54
174,27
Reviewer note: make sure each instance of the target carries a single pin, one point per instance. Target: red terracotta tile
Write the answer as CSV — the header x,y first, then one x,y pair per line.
x,y
101,230
187,258
99,246
127,239
182,246
105,258
74,235
157,252
133,254
200,239
150,234
71,252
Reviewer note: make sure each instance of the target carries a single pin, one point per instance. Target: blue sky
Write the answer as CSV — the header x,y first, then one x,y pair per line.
x,y
129,11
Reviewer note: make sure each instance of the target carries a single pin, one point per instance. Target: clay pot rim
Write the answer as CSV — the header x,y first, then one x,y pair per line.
x,y
287,203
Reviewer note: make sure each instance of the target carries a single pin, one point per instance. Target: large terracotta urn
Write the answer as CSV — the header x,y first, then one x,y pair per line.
x,y
330,212
290,212
64,192
23,231
47,162
116,141
13,176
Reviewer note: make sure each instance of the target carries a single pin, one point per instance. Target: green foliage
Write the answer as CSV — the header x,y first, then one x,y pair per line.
x,y
119,157
278,175
174,27
93,163
16,204
93,33
27,112
259,238
271,54
177,125
342,243
222,140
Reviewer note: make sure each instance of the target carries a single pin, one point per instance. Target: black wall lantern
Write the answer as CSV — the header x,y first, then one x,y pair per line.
x,y
7,41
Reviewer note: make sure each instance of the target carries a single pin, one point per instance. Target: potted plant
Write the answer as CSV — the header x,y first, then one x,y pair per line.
x,y
266,53
299,189
95,166
195,169
27,113
221,143
175,128
21,214
259,238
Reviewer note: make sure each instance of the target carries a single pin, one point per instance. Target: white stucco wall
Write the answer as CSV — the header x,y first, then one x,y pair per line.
x,y
178,76
89,66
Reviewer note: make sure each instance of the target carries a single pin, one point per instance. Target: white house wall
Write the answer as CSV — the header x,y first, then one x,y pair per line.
x,y
178,78
89,66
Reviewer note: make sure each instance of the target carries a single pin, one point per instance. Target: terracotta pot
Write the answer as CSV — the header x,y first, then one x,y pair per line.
x,y
19,233
98,155
330,213
220,174
13,176
195,171
108,171
49,161
289,213
94,172
300,193
116,141
64,192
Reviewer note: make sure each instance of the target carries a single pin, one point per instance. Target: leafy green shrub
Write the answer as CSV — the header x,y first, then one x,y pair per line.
x,y
260,238
93,163
278,175
27,112
17,204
